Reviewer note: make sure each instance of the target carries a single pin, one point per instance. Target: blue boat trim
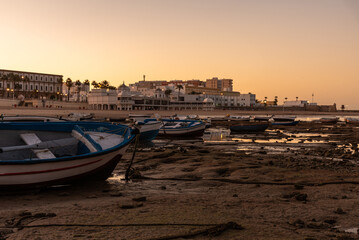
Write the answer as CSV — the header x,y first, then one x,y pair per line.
x,y
68,127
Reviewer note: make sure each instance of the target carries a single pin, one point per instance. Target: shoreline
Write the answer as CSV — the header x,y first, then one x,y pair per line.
x,y
121,114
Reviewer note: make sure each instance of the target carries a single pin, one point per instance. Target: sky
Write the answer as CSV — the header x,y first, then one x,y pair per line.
x,y
284,48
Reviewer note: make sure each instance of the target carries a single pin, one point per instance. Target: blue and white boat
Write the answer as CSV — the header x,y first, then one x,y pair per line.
x,y
148,128
181,128
40,154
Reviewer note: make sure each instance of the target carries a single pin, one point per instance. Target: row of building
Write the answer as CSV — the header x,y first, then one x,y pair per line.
x,y
142,95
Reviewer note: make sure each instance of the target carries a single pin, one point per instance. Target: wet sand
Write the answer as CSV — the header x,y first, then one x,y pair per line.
x,y
289,183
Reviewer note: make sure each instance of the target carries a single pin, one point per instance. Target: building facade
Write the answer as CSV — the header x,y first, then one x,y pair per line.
x,y
30,85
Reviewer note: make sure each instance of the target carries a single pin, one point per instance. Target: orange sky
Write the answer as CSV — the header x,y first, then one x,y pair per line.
x,y
268,47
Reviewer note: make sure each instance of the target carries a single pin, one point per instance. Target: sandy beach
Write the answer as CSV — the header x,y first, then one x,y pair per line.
x,y
296,182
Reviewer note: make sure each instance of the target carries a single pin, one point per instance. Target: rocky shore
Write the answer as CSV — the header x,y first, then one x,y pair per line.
x,y
297,182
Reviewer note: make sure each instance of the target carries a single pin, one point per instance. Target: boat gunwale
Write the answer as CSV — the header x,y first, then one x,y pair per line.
x,y
117,147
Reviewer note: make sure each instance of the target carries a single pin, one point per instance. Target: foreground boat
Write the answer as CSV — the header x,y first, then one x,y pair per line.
x,y
181,128
40,154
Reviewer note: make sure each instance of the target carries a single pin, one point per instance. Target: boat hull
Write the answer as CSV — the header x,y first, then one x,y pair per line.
x,y
193,131
149,131
35,173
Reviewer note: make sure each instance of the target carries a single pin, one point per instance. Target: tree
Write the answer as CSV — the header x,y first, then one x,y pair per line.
x,y
179,87
104,84
94,84
87,82
276,100
168,92
265,101
68,84
78,87
296,98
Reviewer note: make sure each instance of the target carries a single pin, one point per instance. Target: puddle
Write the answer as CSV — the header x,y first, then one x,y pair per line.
x,y
117,178
352,230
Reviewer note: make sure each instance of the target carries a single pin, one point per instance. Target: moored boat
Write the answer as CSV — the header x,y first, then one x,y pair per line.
x,y
352,120
329,120
40,154
181,128
25,118
283,118
149,129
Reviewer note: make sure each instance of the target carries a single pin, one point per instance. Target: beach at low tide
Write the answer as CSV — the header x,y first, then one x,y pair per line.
x,y
295,182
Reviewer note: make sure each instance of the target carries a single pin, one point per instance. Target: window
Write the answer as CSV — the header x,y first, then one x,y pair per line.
x,y
46,88
40,88
50,88
31,87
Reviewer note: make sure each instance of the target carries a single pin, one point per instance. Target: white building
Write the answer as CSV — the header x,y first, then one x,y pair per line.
x,y
297,103
103,99
30,85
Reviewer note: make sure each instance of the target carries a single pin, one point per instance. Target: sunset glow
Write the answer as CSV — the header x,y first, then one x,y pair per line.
x,y
268,47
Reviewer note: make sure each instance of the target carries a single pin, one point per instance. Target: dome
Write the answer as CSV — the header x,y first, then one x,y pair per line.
x,y
123,87
124,94
208,100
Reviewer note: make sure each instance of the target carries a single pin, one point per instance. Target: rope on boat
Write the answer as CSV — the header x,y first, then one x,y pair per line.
x,y
133,157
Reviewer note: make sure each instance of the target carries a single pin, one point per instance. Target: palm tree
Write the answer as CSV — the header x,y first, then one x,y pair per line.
x,y
78,86
87,82
179,87
265,101
4,78
276,100
104,84
94,84
296,98
69,84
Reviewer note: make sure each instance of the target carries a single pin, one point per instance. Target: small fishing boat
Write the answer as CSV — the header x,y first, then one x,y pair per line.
x,y
75,116
283,121
284,118
24,118
41,154
229,121
149,129
248,127
352,120
262,118
329,120
181,128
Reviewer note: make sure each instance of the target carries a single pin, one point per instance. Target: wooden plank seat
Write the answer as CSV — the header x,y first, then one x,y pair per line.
x,y
30,139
